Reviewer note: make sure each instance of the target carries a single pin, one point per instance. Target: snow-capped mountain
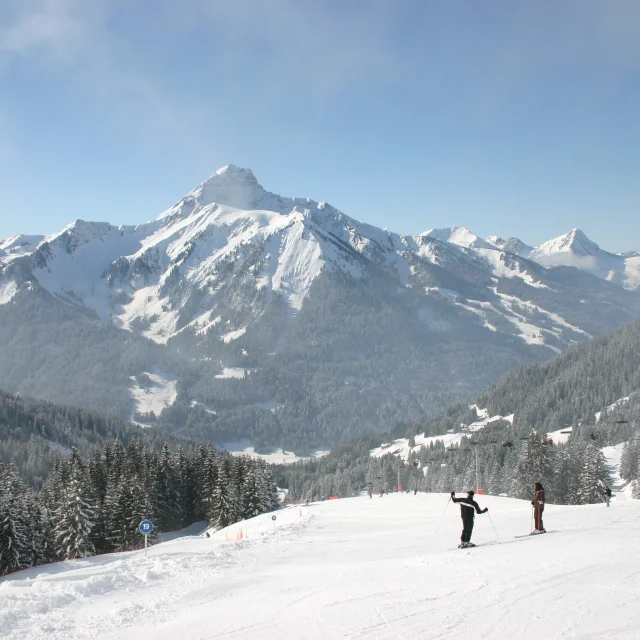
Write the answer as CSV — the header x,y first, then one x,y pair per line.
x,y
459,236
286,290
575,249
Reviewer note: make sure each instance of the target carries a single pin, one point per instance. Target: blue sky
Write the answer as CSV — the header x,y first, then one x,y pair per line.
x,y
510,118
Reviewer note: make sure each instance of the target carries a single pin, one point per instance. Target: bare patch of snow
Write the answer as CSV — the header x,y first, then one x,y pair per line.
x,y
276,456
231,372
7,292
160,392
233,335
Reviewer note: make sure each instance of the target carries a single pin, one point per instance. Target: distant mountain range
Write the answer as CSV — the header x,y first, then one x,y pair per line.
x,y
246,314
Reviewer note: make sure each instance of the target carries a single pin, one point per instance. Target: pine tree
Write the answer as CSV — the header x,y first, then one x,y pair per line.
x,y
630,459
636,485
222,504
14,547
269,498
250,498
592,475
75,514
187,488
535,464
169,515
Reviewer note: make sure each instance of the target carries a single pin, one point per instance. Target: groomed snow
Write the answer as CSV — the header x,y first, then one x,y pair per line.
x,y
353,568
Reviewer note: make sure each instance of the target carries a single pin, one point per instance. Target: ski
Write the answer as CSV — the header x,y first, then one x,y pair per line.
x,y
481,544
530,535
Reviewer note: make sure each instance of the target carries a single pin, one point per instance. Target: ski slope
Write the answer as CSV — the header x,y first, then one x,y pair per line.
x,y
352,568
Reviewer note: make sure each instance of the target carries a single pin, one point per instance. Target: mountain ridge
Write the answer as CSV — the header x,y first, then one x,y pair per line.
x,y
299,296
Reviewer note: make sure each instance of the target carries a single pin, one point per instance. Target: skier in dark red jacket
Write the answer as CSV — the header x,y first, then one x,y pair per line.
x,y
468,509
538,507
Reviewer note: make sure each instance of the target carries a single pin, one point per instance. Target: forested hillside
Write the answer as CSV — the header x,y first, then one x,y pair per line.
x,y
591,391
94,505
570,389
34,433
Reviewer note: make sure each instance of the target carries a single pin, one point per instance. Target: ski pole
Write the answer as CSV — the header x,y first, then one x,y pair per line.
x,y
445,509
494,528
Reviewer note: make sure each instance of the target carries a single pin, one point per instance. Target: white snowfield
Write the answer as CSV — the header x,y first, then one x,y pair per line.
x,y
276,456
160,393
400,447
353,568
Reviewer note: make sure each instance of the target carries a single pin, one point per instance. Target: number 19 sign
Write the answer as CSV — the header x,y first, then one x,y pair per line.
x,y
145,528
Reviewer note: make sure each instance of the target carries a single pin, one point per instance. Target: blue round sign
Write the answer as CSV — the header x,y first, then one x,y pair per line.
x,y
273,517
146,527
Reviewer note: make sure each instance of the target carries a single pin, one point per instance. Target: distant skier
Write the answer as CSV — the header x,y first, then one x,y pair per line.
x,y
468,509
606,493
538,507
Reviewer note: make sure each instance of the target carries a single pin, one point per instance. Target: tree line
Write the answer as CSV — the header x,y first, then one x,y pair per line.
x,y
94,504
572,472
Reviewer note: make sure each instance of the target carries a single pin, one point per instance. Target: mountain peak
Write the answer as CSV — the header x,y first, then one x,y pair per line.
x,y
230,185
575,242
233,172
460,236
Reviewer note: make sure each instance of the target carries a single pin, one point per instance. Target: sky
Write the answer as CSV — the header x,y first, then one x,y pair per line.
x,y
509,118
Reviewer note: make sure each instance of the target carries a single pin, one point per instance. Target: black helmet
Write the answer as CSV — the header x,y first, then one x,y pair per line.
x,y
471,492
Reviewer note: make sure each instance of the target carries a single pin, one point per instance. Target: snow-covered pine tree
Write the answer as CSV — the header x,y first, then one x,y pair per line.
x,y
494,482
76,513
636,485
14,548
39,535
269,498
128,507
222,504
535,464
630,458
169,516
250,498
187,494
567,472
204,467
592,475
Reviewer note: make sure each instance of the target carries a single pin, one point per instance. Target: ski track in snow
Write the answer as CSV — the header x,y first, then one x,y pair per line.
x,y
352,568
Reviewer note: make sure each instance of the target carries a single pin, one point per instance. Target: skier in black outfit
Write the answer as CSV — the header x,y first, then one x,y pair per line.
x,y
468,509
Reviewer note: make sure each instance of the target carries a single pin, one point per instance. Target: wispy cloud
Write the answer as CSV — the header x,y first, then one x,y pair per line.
x,y
49,27
75,38
320,47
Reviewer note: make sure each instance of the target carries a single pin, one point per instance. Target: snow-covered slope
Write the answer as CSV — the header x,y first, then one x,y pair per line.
x,y
354,568
459,236
17,246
